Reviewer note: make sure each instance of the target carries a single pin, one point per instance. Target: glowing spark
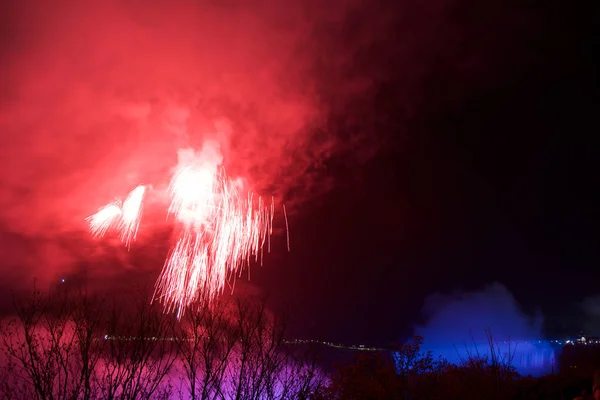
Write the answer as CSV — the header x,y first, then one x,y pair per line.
x,y
223,227
131,212
124,217
106,217
287,228
222,230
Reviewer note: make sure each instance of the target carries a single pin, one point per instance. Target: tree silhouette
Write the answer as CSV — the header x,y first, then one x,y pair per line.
x,y
62,345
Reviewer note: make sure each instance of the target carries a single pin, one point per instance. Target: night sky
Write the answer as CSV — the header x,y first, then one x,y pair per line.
x,y
419,149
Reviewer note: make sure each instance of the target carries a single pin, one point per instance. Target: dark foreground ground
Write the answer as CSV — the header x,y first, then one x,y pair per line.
x,y
410,373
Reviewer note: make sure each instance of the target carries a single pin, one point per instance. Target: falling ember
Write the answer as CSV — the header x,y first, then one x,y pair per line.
x,y
131,212
102,221
124,217
287,228
223,229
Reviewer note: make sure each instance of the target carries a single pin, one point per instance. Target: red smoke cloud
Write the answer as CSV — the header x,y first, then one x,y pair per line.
x,y
97,96
100,95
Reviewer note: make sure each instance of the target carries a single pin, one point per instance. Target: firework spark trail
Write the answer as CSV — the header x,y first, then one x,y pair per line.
x,y
104,219
287,228
222,231
124,217
223,227
131,213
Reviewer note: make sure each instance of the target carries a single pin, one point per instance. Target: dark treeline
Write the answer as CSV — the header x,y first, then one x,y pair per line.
x,y
63,345
411,374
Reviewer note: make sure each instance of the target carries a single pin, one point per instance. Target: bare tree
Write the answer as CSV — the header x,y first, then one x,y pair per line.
x,y
236,350
57,347
62,345
206,342
139,352
87,316
41,350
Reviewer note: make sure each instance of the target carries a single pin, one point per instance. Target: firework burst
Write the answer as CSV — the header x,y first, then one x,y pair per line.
x,y
131,213
222,227
104,219
124,217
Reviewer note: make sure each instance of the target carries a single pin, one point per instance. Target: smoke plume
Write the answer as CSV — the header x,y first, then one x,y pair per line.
x,y
459,325
97,97
591,309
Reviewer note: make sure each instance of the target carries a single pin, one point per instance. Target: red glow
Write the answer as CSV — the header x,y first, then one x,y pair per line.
x,y
223,227
98,96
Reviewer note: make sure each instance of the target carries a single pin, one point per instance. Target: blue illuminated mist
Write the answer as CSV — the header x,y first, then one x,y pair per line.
x,y
457,326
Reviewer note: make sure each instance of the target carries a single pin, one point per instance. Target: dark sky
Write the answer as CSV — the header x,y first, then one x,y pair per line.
x,y
418,148
491,180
